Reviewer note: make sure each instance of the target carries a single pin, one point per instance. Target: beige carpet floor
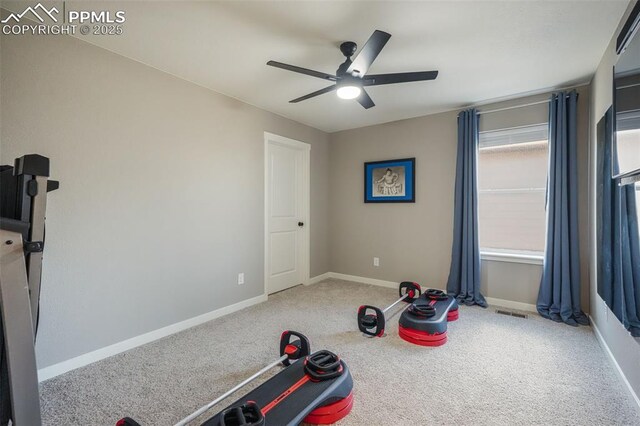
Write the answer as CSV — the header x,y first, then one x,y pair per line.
x,y
495,370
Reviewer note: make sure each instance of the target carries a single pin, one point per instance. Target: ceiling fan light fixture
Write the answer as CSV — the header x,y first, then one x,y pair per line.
x,y
349,92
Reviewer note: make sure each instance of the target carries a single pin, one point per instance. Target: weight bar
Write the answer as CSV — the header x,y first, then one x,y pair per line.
x,y
371,320
289,351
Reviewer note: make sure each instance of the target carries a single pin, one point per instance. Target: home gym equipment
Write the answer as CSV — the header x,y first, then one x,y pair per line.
x,y
316,390
425,321
288,351
23,201
371,320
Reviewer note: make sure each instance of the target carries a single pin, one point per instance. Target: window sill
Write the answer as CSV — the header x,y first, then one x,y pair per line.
x,y
513,257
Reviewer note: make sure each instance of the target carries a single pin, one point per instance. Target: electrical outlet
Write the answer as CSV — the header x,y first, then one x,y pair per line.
x,y
241,278
376,261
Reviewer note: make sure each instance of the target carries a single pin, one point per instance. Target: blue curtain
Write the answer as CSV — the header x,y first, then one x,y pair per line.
x,y
619,241
559,294
628,268
464,275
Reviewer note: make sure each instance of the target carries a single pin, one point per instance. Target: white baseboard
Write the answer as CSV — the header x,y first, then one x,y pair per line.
x,y
390,284
623,377
511,304
102,353
364,280
319,278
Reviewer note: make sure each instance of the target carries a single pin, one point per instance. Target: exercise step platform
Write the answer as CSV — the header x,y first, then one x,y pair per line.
x,y
315,388
320,396
424,323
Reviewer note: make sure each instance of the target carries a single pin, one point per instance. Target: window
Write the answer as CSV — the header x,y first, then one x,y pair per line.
x,y
512,179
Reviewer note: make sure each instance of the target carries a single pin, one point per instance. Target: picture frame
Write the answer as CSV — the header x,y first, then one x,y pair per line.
x,y
390,181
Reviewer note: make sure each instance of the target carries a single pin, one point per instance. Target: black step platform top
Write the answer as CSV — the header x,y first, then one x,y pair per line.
x,y
436,324
289,396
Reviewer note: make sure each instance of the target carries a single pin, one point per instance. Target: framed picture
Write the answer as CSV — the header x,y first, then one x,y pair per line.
x,y
390,181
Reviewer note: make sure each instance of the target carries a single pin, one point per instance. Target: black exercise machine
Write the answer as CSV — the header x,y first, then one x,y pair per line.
x,y
317,390
23,201
371,320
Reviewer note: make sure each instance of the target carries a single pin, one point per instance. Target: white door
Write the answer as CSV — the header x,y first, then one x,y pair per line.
x,y
286,213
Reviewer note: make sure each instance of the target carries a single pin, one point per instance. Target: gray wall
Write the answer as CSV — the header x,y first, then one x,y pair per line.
x,y
161,197
625,349
413,241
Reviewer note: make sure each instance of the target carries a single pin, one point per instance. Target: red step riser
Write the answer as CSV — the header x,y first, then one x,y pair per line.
x,y
422,338
331,413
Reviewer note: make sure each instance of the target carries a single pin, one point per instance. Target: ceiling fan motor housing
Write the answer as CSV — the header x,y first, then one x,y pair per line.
x,y
348,48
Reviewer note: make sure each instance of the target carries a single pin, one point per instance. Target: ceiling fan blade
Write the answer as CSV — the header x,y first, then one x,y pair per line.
x,y
301,70
314,94
365,100
369,52
401,77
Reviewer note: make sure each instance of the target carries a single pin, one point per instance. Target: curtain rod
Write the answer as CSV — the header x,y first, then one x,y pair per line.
x,y
489,111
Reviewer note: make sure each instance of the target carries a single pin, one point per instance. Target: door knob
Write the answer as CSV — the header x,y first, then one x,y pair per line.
x,y
301,224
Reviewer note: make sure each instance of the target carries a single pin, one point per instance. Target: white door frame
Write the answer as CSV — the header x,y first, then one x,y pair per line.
x,y
305,254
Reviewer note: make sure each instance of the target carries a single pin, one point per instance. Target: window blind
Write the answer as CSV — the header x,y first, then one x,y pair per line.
x,y
535,133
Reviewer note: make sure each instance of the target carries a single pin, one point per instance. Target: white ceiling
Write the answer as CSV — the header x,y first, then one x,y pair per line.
x,y
483,49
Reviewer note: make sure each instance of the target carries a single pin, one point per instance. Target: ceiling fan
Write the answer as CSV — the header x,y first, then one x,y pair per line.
x,y
351,77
